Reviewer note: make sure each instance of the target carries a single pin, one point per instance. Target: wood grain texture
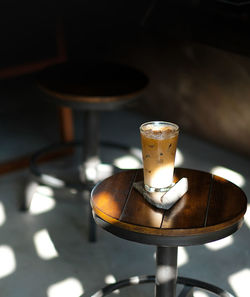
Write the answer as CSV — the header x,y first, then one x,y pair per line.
x,y
225,203
137,210
211,204
111,195
190,211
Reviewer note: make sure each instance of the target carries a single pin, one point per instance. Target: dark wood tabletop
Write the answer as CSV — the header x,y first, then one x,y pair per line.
x,y
211,209
92,82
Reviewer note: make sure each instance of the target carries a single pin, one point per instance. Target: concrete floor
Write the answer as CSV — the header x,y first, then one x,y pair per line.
x,y
46,252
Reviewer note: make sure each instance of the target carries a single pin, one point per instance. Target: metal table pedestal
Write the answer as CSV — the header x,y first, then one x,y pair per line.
x,y
165,279
166,272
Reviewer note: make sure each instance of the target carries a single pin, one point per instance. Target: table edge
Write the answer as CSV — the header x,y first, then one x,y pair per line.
x,y
166,231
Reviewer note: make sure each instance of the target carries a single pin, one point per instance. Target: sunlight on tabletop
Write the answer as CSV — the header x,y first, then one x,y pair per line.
x,y
7,260
240,282
233,176
44,245
2,214
220,244
69,287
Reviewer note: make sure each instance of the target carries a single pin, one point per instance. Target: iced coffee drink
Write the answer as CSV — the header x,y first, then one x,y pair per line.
x,y
159,142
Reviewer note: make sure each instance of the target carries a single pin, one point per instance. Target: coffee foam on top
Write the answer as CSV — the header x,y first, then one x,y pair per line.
x,y
160,131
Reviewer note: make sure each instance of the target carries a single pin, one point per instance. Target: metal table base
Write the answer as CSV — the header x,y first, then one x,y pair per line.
x,y
90,147
165,279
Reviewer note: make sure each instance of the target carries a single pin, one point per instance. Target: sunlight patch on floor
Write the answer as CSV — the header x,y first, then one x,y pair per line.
x,y
44,245
52,181
220,244
2,214
136,152
7,260
182,256
127,162
240,282
247,216
200,294
233,176
41,204
45,190
134,162
69,287
179,158
110,279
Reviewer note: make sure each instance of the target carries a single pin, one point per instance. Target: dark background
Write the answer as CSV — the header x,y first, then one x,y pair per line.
x,y
96,28
196,54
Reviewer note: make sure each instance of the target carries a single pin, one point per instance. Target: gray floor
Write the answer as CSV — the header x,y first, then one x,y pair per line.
x,y
46,252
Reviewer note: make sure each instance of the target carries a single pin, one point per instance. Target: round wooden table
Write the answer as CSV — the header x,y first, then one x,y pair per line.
x,y
89,87
211,209
92,85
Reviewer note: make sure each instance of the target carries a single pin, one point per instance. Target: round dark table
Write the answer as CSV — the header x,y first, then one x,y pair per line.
x,y
91,88
211,209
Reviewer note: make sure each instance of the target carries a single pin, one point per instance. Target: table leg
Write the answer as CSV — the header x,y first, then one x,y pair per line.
x,y
166,271
91,134
91,159
66,124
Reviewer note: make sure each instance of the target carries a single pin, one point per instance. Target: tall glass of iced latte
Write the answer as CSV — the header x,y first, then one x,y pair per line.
x,y
159,142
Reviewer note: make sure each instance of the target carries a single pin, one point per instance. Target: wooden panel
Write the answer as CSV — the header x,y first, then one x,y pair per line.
x,y
66,124
226,203
190,210
110,196
139,212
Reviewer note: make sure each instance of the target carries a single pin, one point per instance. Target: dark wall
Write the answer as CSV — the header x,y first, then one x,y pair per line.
x,y
97,28
27,31
196,54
